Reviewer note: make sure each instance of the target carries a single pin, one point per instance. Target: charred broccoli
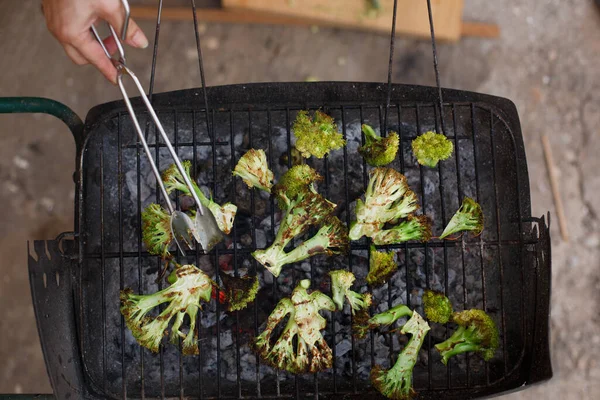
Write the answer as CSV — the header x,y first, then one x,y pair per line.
x,y
476,332
437,307
387,199
385,318
331,238
378,151
316,136
396,383
469,217
156,230
294,182
189,286
254,170
239,291
430,147
224,215
415,227
381,266
301,348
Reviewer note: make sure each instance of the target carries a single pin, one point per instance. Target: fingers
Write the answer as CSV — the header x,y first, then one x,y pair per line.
x,y
91,50
74,55
135,36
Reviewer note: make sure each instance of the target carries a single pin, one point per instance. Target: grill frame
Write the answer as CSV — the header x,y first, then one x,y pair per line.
x,y
245,97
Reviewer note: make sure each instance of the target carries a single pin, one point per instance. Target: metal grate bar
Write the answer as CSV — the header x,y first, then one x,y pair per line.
x,y
121,268
235,258
197,259
371,333
460,194
216,250
498,224
443,212
495,243
425,250
102,265
139,252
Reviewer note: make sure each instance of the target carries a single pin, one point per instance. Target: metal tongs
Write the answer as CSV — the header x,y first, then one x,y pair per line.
x,y
204,228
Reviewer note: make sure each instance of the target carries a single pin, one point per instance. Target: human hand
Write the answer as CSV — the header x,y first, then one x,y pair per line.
x,y
70,22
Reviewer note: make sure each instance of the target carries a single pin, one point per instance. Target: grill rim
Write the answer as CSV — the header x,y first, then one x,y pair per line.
x,y
244,97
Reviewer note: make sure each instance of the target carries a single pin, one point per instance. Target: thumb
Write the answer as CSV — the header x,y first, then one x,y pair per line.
x,y
135,36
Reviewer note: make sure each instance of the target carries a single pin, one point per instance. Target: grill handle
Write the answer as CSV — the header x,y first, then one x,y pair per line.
x,y
34,105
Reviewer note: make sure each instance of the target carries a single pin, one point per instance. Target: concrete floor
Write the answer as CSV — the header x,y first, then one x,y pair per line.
x,y
546,61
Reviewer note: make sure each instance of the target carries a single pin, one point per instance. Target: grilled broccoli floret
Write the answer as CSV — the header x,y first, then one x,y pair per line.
x,y
385,318
190,286
316,136
430,147
387,199
156,230
254,170
469,217
378,151
415,227
294,182
239,291
437,307
476,332
224,215
396,383
310,353
331,238
341,281
381,266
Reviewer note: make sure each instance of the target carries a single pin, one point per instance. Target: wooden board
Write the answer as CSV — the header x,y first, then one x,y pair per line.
x,y
412,17
476,29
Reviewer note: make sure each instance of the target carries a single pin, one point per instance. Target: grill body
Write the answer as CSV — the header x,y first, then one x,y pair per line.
x,y
505,271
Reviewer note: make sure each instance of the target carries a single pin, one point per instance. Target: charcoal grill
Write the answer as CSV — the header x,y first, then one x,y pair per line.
x,y
75,279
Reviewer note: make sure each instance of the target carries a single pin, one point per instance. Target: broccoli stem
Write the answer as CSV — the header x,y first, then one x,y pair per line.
x,y
460,342
390,316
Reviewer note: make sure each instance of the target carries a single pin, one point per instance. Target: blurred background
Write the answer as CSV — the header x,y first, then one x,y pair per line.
x,y
545,59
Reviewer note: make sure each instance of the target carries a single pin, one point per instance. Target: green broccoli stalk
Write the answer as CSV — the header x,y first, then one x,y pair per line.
x,y
381,266
341,281
310,353
396,383
254,170
224,215
415,227
156,230
437,307
430,147
469,217
385,318
331,238
190,286
316,136
378,151
294,182
387,199
239,291
476,332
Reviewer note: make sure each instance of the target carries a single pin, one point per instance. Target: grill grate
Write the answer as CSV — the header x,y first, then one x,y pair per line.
x,y
489,272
